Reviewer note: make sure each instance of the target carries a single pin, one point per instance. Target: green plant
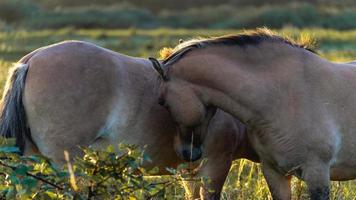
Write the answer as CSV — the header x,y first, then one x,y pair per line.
x,y
98,175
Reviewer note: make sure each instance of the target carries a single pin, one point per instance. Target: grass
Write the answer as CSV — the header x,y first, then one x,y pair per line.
x,y
245,180
136,42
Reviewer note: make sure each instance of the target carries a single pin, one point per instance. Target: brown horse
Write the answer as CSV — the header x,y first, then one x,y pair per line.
x,y
77,94
300,109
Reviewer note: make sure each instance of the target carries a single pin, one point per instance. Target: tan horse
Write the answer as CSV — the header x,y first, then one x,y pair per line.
x,y
300,109
77,94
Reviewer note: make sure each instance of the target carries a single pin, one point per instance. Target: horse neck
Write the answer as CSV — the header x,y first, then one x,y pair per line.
x,y
251,82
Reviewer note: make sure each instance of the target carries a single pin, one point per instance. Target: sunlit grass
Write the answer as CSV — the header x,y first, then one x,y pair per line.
x,y
4,67
246,182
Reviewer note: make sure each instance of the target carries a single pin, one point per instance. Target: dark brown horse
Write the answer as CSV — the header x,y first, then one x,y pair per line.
x,y
77,94
300,109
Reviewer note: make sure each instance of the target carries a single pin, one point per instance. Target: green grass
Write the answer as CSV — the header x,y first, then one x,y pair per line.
x,y
145,43
245,180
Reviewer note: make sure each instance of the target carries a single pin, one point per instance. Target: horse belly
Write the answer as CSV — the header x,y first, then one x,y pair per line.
x,y
344,166
342,173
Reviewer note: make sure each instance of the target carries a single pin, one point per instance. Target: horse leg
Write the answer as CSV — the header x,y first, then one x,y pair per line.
x,y
216,169
317,177
278,184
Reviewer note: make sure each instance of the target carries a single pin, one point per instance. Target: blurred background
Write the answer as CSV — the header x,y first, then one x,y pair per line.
x,y
142,27
222,14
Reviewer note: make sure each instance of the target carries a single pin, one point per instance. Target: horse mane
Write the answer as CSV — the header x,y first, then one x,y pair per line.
x,y
251,37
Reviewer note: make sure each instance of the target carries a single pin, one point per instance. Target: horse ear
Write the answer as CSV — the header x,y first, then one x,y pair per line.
x,y
158,67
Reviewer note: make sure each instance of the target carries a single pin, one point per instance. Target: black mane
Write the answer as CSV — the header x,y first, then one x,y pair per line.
x,y
247,38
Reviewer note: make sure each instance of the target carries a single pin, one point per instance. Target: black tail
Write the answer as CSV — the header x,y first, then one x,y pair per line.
x,y
13,121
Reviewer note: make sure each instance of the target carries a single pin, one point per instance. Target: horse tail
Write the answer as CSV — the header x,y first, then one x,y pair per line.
x,y
13,122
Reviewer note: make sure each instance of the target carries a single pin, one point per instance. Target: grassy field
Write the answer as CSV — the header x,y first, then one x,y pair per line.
x,y
245,180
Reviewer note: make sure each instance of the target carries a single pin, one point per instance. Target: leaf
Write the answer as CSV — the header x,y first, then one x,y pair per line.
x,y
182,166
21,170
9,149
13,178
10,193
132,198
29,182
153,171
63,174
171,170
51,194
110,149
34,158
146,158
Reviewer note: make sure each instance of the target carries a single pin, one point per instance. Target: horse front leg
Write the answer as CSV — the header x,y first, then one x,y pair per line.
x,y
216,169
317,177
278,184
